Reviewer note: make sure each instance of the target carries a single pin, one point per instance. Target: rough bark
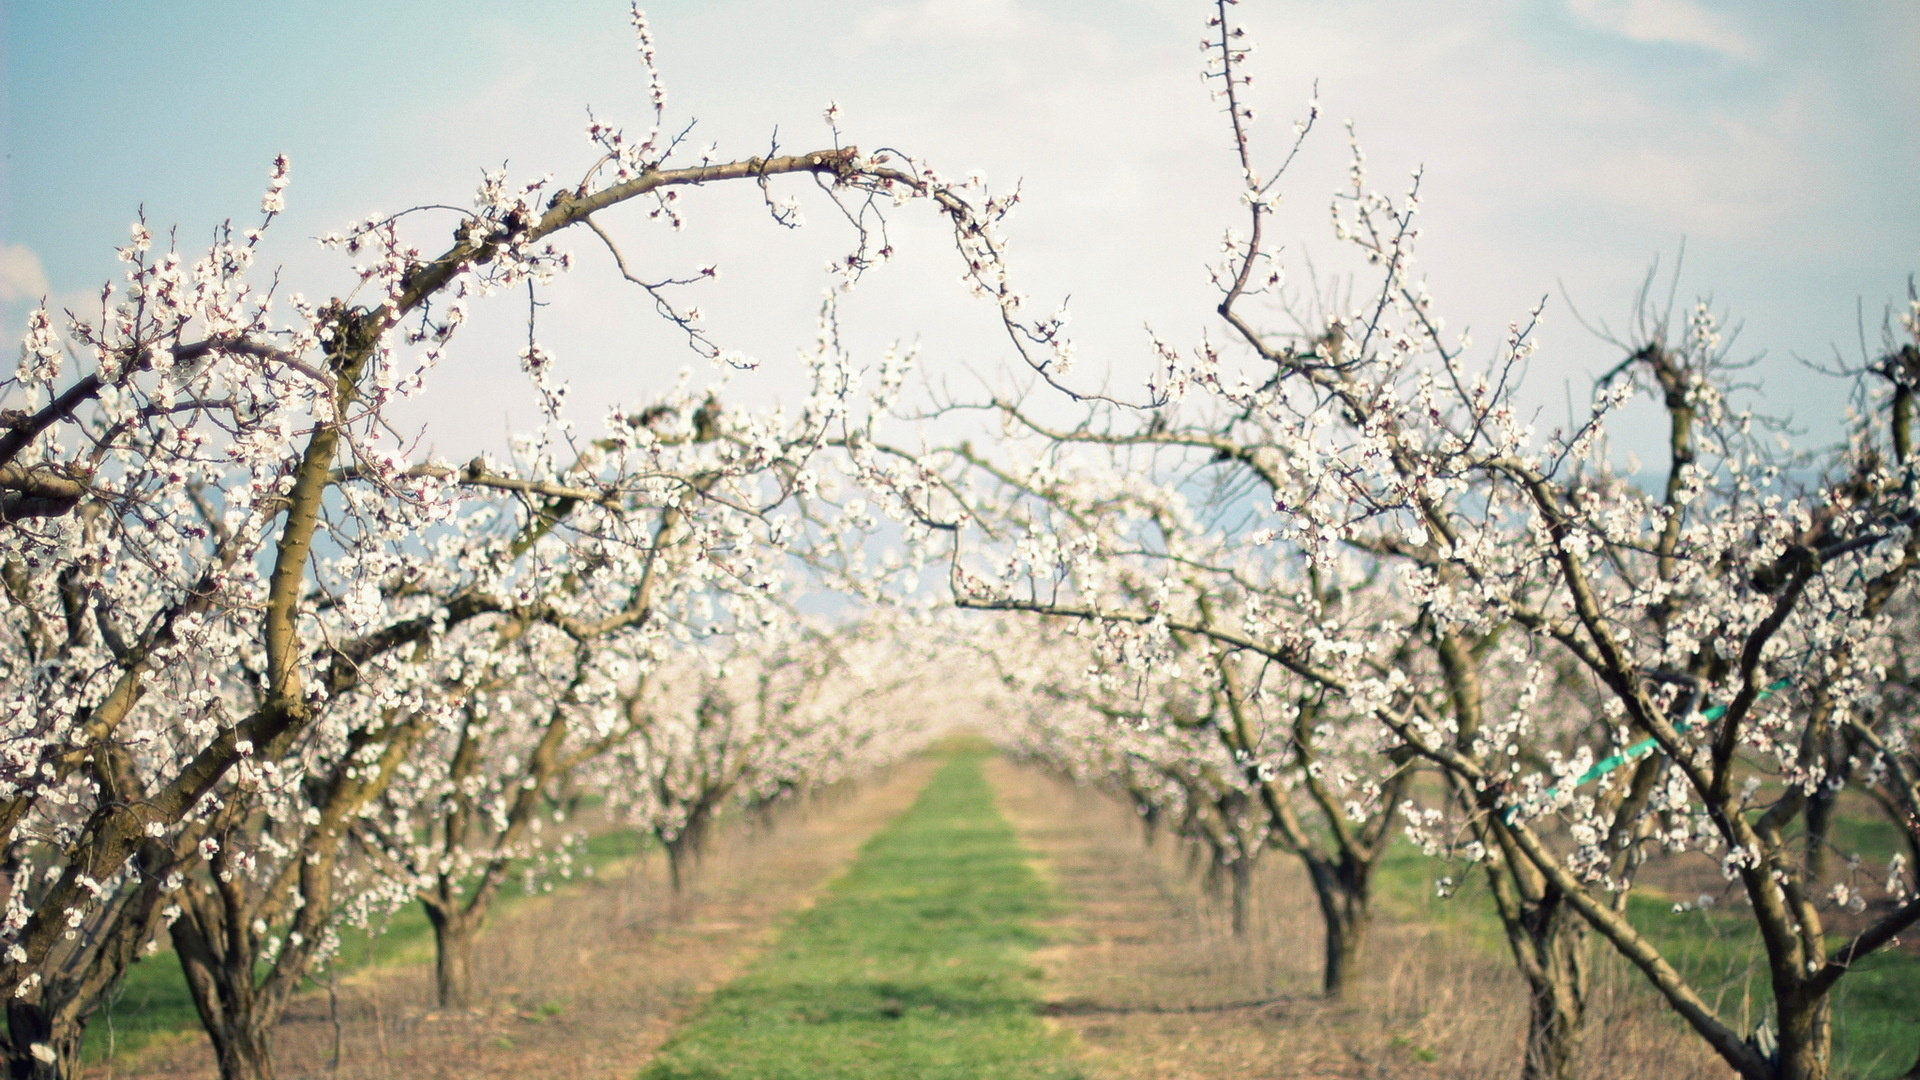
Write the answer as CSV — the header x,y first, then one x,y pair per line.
x,y
454,932
39,1046
1806,1035
1556,972
1343,888
236,1018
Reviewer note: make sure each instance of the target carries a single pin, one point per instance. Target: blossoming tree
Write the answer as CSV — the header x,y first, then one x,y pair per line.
x,y
211,540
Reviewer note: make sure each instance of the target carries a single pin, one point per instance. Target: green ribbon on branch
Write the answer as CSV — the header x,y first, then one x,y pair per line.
x,y
1646,746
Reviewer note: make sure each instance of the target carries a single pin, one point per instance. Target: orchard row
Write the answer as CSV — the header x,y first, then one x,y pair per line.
x,y
265,672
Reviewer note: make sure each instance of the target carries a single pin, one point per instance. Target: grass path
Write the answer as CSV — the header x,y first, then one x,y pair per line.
x,y
588,981
913,964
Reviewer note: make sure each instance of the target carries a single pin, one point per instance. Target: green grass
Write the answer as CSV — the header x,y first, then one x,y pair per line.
x,y
911,965
1867,834
152,1003
1876,1007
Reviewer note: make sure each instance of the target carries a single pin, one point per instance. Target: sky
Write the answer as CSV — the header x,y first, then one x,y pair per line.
x,y
1566,146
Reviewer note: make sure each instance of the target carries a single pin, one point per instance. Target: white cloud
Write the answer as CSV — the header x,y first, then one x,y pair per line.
x,y
1671,22
22,278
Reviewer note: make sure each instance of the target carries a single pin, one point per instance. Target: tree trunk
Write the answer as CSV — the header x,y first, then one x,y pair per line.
x,y
1150,826
38,1046
1344,891
245,1053
1556,940
454,932
1346,933
676,870
1242,872
55,1020
1806,1035
236,1017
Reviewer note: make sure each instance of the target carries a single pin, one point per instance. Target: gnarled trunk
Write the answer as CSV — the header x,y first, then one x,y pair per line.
x,y
1554,939
245,1052
454,932
684,846
237,1017
1806,1034
39,1044
1344,889
678,856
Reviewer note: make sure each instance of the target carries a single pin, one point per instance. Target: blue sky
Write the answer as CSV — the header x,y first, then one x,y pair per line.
x,y
1564,141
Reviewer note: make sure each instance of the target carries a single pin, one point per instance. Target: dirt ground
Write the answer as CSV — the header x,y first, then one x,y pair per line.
x,y
1149,977
590,981
587,982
